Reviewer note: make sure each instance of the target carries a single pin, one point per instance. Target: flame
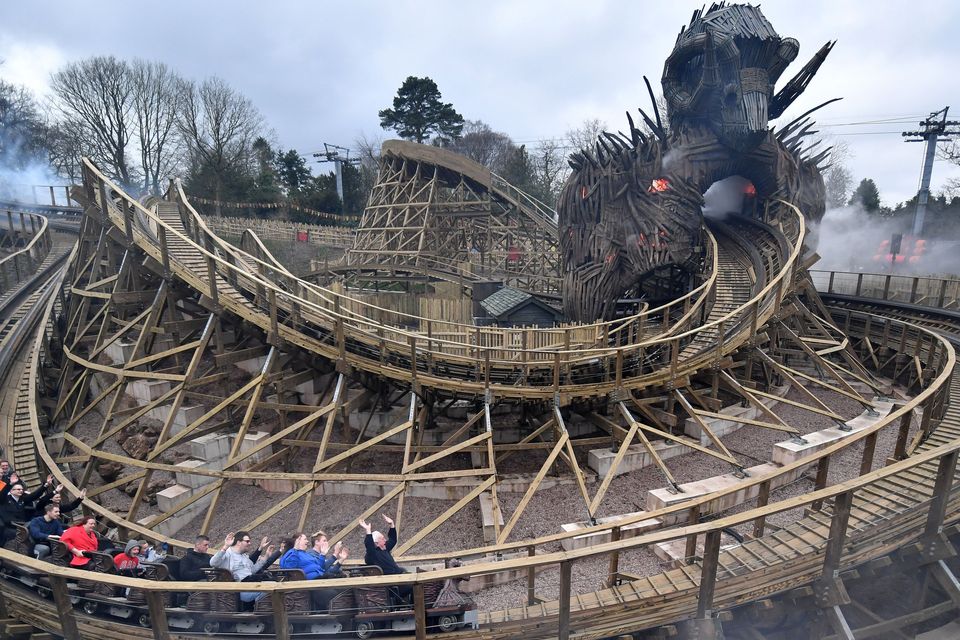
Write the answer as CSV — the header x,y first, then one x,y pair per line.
x,y
658,185
750,190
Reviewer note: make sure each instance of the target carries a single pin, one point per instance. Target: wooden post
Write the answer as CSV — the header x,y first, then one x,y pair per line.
x,y
691,549
164,251
127,220
900,450
68,622
412,341
614,568
762,499
941,492
212,275
708,573
822,468
531,578
563,632
281,626
913,289
619,370
158,615
838,534
869,447
859,284
556,372
420,612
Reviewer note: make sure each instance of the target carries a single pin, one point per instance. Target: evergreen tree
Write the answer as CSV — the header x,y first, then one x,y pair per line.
x,y
292,172
266,188
867,195
418,112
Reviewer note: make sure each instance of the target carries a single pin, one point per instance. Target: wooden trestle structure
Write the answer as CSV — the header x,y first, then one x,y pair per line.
x,y
439,212
211,339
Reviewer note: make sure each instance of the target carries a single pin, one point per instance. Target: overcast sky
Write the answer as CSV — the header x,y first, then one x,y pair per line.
x,y
320,71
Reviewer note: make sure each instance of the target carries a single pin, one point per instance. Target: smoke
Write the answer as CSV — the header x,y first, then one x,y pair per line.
x,y
673,156
17,183
724,197
850,239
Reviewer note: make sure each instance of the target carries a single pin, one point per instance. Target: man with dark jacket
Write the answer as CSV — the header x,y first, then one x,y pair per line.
x,y
17,506
6,470
379,547
195,559
378,553
42,527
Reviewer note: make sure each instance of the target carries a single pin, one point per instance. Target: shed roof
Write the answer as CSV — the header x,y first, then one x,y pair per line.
x,y
507,299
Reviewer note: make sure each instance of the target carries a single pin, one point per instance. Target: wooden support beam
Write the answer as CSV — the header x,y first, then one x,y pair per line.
x,y
68,621
443,517
706,428
281,624
563,622
419,612
158,615
708,574
534,485
946,469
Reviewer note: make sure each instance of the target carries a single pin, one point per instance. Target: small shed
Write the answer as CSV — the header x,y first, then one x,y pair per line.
x,y
513,307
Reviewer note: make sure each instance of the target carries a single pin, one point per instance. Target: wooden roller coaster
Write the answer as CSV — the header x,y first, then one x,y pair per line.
x,y
154,316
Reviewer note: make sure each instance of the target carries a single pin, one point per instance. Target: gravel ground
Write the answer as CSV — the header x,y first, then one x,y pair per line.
x,y
240,503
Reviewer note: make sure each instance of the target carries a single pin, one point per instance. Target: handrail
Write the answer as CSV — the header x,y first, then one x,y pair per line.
x,y
933,293
48,189
857,548
937,385
400,341
465,329
546,216
497,566
33,252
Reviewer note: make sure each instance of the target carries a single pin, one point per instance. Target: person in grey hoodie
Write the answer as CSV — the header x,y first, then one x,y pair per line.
x,y
233,556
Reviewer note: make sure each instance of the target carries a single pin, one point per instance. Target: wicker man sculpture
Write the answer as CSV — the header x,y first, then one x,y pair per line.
x,y
631,211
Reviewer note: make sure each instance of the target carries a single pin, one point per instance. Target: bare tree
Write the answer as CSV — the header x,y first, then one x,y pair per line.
x,y
586,134
96,95
951,153
156,101
838,179
369,149
219,126
550,168
21,127
481,143
64,146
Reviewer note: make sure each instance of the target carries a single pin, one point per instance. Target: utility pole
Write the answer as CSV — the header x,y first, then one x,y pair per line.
x,y
331,153
936,128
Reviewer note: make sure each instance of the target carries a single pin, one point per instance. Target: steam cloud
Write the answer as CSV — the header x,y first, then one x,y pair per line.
x,y
850,239
724,197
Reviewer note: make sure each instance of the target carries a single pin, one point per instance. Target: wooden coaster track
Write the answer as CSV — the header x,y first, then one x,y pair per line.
x,y
750,294
908,500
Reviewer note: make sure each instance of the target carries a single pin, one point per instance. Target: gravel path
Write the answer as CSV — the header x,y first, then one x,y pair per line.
x,y
240,504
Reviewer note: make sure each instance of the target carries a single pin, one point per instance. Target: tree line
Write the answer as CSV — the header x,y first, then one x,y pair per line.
x,y
142,123
418,114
